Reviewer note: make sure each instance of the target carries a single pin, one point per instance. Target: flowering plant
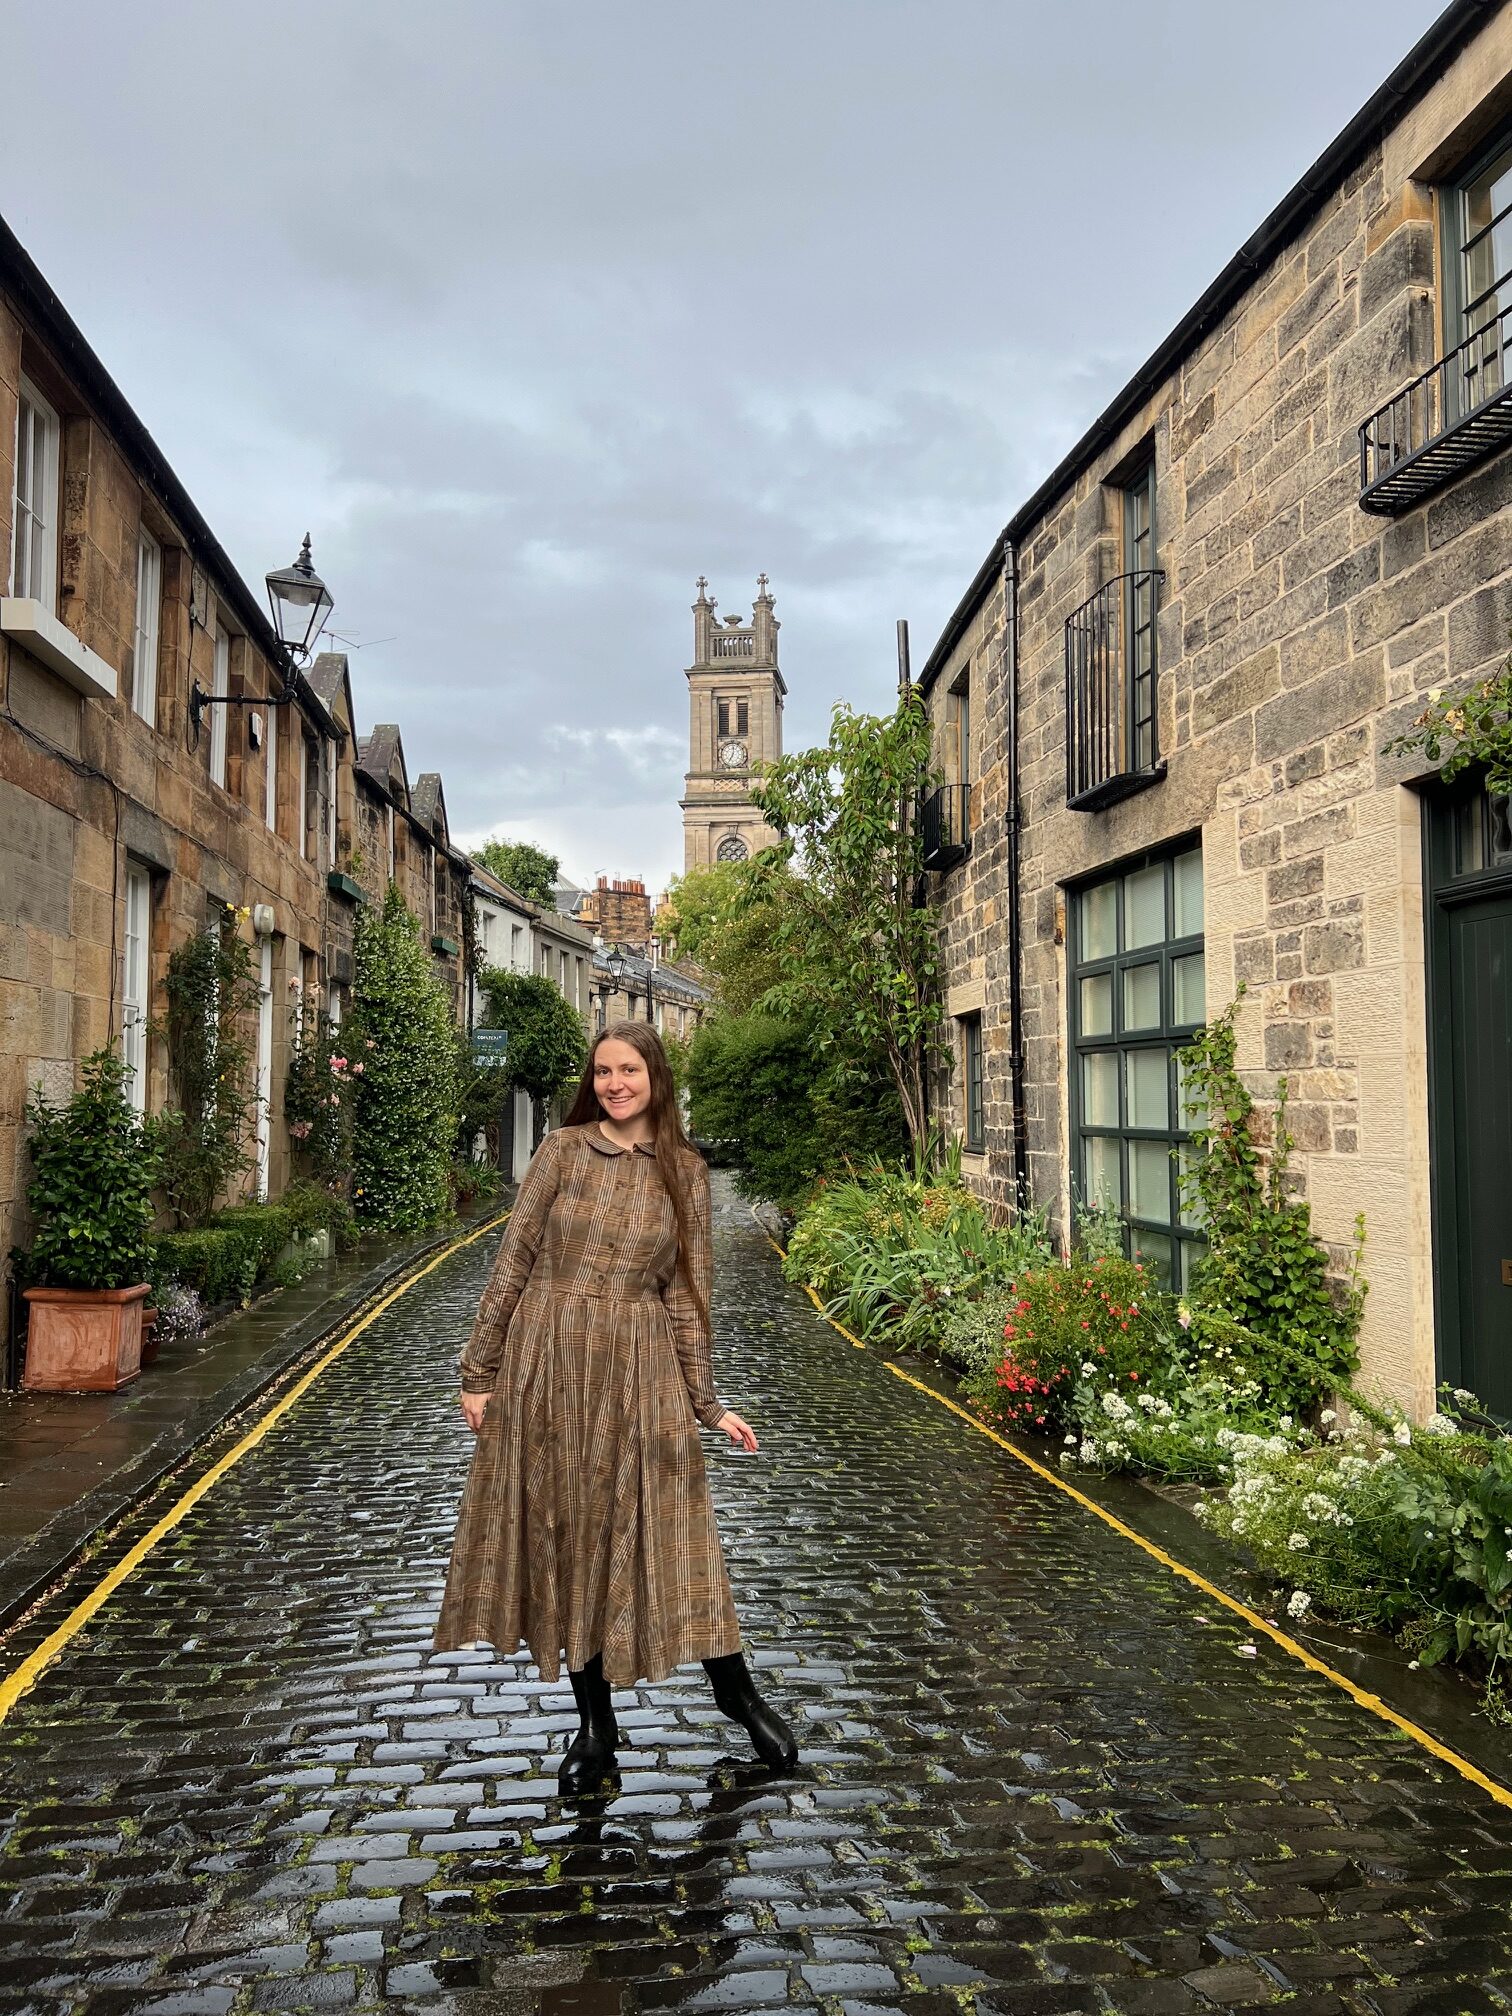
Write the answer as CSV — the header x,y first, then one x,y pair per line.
x,y
1096,1319
318,1091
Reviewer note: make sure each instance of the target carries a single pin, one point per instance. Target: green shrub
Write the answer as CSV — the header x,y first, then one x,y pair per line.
x,y
405,1114
314,1209
1264,1269
268,1228
219,1264
891,1251
92,1169
763,1083
205,1141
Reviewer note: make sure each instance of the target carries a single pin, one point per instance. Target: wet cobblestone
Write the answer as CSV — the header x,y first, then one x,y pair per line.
x,y
1033,1780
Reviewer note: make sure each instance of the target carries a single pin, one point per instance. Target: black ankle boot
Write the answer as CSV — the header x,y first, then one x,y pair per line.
x,y
735,1695
590,1755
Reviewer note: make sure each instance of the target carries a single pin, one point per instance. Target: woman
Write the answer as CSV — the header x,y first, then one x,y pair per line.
x,y
586,1524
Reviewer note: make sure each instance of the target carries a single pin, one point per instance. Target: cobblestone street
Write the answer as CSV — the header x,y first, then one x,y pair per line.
x,y
1037,1771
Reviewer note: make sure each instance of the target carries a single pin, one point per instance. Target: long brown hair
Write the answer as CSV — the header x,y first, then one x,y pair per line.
x,y
671,1141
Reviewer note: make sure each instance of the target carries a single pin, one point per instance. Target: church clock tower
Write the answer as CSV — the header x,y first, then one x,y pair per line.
x,y
735,694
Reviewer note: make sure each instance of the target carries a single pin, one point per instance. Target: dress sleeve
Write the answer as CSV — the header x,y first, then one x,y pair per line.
x,y
694,1345
479,1360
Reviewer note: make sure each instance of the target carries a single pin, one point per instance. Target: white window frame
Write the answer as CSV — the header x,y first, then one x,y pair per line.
x,y
34,515
270,770
333,1004
328,758
304,795
220,686
136,951
144,657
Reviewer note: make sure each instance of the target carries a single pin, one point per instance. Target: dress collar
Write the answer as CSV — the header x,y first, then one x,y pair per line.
x,y
596,1138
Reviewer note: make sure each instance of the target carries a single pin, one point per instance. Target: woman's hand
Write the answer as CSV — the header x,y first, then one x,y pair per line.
x,y
474,1406
741,1433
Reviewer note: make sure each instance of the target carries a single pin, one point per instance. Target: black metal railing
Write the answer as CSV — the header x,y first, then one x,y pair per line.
x,y
1112,732
945,820
1448,418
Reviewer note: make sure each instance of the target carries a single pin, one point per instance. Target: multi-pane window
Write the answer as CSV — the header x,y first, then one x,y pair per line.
x,y
734,716
136,953
1137,995
220,686
328,762
1139,614
971,1057
144,657
1477,215
34,519
958,747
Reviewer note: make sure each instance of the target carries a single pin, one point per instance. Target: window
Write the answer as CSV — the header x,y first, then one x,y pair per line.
x,y
1137,993
144,657
134,983
270,773
309,795
1476,215
220,686
34,521
1139,613
328,759
562,975
732,848
734,717
971,1058
958,730
391,844
333,1005
516,934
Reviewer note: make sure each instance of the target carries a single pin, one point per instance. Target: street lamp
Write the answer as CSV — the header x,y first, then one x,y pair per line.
x,y
300,603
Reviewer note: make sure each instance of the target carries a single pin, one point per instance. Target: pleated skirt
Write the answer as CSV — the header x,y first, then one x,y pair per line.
x,y
586,1523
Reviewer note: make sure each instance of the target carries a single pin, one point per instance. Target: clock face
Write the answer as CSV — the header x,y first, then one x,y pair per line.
x,y
732,754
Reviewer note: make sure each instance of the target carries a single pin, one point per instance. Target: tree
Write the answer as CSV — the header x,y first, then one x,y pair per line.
x,y
529,871
547,1049
858,954
400,1034
724,919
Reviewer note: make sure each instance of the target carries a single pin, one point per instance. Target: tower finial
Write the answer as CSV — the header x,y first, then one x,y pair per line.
x,y
702,584
762,585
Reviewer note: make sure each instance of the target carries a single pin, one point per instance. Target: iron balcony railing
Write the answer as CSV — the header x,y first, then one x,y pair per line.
x,y
1112,737
1448,418
946,825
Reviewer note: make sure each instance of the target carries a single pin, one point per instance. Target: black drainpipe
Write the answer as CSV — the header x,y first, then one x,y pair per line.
x,y
1014,822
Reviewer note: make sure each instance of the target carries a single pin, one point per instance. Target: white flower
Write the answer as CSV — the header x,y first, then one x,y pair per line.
x,y
1402,1435
1299,1543
1088,1451
1328,1417
1088,1368
1286,1422
1441,1424
1464,1396
1070,1441
1300,1603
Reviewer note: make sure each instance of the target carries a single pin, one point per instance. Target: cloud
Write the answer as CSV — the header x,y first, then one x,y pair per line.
x,y
531,314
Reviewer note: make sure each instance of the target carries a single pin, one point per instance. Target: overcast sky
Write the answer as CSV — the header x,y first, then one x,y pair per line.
x,y
531,313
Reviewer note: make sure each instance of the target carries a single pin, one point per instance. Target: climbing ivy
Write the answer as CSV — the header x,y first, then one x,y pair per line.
x,y
205,1138
1265,1270
405,1099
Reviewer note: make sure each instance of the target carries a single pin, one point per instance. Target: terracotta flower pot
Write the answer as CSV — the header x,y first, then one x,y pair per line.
x,y
83,1340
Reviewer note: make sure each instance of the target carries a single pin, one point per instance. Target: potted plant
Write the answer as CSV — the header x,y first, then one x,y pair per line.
x,y
92,1172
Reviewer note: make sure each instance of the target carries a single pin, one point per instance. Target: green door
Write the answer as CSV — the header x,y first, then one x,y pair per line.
x,y
1471,931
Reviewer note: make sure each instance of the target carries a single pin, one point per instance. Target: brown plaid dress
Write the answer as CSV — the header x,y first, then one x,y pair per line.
x,y
586,1523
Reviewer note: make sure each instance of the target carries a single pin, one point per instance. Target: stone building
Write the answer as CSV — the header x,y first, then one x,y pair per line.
x,y
619,911
400,835
161,756
735,696
1165,707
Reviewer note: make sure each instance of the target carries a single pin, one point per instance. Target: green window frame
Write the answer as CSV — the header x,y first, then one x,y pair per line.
x,y
1139,613
1137,994
1475,239
971,1057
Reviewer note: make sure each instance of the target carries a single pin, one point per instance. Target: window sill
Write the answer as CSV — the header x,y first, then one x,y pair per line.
x,y
46,638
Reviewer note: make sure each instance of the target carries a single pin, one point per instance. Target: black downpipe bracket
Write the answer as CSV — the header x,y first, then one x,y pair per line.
x,y
1015,935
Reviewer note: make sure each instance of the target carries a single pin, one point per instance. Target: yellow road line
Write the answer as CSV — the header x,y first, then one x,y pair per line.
x,y
1373,1702
36,1663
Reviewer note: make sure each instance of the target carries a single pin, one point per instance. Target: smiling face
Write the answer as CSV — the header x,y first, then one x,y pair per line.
x,y
620,1079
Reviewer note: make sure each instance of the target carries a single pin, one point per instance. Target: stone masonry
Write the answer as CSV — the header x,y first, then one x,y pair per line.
x,y
1297,635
